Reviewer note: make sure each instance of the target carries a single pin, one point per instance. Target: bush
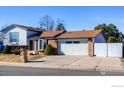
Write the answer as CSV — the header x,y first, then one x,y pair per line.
x,y
1,49
6,49
48,50
16,51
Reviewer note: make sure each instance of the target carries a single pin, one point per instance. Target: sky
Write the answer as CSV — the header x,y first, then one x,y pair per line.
x,y
75,17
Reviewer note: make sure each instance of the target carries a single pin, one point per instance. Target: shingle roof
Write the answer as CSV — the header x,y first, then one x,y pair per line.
x,y
50,33
80,34
22,26
29,28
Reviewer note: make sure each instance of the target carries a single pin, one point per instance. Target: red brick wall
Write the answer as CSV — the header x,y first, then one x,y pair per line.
x,y
90,46
53,43
35,44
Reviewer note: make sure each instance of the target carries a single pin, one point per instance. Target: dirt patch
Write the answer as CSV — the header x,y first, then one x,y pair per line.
x,y
16,58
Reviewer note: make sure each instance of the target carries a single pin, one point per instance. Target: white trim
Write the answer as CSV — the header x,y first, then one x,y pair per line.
x,y
42,44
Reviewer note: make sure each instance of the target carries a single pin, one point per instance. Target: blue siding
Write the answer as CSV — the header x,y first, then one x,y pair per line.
x,y
99,38
1,45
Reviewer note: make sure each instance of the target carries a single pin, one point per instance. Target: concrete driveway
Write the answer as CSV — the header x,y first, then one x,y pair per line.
x,y
74,62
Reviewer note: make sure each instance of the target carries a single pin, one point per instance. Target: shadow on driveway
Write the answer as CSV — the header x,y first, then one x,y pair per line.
x,y
35,61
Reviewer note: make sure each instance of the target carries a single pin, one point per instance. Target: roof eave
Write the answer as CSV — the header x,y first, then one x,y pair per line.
x,y
74,37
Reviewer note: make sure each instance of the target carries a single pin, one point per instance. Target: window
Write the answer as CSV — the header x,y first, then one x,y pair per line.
x,y
76,42
14,36
68,42
41,46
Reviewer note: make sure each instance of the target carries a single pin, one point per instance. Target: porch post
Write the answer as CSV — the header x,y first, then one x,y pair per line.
x,y
90,47
36,44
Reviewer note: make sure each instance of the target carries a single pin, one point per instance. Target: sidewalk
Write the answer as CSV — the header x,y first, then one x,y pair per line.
x,y
110,64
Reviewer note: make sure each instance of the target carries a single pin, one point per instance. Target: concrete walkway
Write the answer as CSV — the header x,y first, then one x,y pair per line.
x,y
74,62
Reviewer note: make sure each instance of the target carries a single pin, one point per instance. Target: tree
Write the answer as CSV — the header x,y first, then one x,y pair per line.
x,y
46,23
60,25
101,26
111,33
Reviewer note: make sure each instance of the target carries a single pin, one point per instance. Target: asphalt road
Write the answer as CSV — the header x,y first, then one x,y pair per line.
x,y
31,71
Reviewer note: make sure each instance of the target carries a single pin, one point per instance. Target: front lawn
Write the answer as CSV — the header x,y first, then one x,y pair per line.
x,y
16,58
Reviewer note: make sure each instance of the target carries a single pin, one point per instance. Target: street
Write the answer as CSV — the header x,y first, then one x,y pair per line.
x,y
32,71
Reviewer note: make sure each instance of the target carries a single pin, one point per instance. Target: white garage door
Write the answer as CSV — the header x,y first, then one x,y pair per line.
x,y
73,49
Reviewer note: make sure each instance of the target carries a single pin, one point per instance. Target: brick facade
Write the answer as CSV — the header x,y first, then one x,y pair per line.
x,y
53,43
90,47
23,52
35,45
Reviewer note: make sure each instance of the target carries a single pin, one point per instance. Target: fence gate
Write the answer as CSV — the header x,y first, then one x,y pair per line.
x,y
108,49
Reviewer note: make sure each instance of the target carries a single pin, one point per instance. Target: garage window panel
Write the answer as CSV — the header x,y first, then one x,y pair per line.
x,y
76,42
68,42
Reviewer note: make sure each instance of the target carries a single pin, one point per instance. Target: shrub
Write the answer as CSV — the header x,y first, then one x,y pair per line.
x,y
6,49
48,50
16,51
1,49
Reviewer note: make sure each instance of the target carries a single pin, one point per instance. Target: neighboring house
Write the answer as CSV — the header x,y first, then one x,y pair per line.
x,y
68,43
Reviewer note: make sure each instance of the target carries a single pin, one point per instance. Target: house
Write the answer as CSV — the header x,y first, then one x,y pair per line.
x,y
64,43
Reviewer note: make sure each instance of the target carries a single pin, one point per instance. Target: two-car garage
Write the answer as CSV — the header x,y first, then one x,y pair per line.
x,y
90,43
73,47
78,42
81,47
